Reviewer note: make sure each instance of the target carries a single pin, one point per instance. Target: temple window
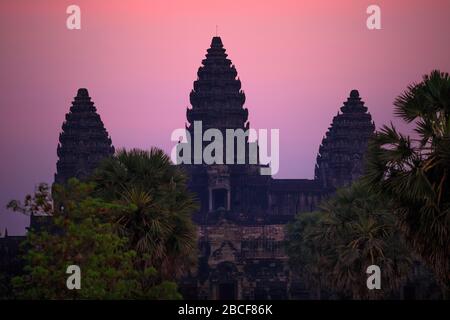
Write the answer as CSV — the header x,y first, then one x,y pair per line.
x,y
220,199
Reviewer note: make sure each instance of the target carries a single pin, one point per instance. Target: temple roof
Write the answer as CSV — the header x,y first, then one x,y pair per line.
x,y
83,142
341,154
83,92
216,42
354,104
217,99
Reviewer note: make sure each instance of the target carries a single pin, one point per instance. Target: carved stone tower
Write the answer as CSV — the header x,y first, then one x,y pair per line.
x,y
217,99
341,154
218,103
84,141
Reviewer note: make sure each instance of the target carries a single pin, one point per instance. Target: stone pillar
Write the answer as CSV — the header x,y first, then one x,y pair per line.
x,y
239,289
210,199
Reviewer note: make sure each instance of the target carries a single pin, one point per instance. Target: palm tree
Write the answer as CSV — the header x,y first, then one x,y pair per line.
x,y
359,231
160,228
305,254
413,171
333,248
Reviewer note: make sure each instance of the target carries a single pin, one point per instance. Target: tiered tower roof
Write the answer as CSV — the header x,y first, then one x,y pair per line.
x,y
217,99
84,141
341,154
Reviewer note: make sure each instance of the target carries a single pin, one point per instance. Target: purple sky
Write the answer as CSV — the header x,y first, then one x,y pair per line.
x,y
298,61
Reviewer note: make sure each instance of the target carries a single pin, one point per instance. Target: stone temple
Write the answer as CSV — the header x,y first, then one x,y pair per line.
x,y
243,214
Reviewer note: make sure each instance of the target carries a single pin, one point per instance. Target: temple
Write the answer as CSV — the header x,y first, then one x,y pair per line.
x,y
217,101
243,213
242,216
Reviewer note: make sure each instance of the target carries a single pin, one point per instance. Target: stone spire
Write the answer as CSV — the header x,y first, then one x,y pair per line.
x,y
217,99
218,103
341,155
84,141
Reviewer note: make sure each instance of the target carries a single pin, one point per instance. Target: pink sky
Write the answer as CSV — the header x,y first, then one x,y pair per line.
x,y
298,61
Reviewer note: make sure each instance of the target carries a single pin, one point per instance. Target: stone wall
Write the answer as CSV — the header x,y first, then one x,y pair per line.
x,y
240,262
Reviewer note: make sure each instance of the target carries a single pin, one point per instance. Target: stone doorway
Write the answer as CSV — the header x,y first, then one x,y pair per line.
x,y
220,199
224,282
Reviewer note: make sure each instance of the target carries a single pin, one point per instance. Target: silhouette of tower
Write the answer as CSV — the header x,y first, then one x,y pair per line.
x,y
217,99
341,154
218,103
84,141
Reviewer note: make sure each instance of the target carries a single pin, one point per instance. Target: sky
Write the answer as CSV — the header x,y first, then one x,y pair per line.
x,y
297,60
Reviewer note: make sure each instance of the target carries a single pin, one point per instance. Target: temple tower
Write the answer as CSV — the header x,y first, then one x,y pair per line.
x,y
218,103
84,141
341,155
217,99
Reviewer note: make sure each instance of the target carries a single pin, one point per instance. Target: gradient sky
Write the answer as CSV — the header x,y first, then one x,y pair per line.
x,y
298,61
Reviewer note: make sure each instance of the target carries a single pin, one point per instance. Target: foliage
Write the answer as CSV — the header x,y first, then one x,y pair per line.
x,y
305,253
159,227
332,248
4,286
413,171
40,203
79,234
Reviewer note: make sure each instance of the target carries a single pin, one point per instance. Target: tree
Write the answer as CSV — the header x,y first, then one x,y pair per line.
x,y
40,203
160,227
332,248
5,286
413,171
305,253
79,234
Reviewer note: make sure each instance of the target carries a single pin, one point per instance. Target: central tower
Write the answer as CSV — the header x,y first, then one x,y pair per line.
x,y
217,99
218,103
